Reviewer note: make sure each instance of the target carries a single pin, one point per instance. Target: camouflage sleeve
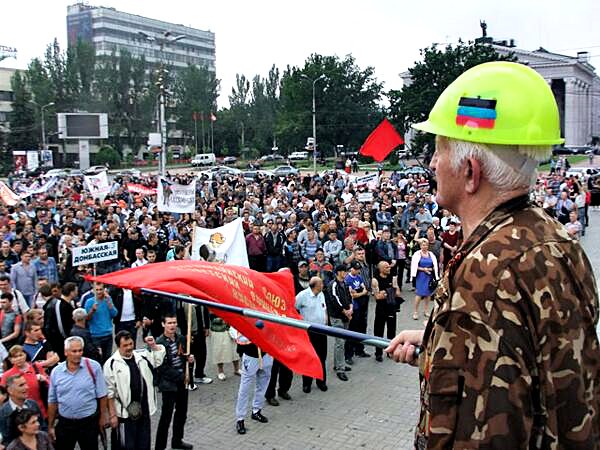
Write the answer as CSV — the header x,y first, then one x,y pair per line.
x,y
528,319
478,389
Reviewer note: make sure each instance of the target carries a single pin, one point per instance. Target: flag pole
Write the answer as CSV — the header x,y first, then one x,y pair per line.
x,y
326,330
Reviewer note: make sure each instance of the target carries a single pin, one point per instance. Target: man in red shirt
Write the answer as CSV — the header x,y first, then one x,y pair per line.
x,y
257,250
450,243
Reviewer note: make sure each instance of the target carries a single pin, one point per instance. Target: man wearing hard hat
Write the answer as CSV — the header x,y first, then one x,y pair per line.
x,y
510,357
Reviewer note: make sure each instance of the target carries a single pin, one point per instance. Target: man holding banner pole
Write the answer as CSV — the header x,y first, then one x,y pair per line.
x,y
171,377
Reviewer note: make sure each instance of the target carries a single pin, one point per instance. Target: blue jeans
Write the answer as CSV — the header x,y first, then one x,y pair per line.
x,y
274,263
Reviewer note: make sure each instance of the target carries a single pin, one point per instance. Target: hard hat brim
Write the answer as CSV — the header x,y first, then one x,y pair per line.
x,y
464,134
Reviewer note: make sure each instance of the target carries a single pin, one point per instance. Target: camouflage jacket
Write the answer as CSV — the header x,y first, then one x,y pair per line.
x,y
511,358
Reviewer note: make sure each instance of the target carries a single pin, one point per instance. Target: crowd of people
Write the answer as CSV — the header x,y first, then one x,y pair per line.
x,y
71,369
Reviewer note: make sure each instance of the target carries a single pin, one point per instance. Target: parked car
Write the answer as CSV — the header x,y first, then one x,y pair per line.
x,y
273,157
225,171
229,160
204,159
55,173
93,170
562,150
415,170
73,173
296,156
583,172
284,171
130,173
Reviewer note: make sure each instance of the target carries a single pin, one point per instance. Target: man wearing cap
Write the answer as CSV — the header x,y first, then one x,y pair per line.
x,y
360,304
339,308
510,354
302,278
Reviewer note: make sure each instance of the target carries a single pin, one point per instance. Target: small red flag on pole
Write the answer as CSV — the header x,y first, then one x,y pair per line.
x,y
213,117
381,141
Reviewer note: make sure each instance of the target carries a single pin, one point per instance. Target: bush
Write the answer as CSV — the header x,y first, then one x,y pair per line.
x,y
106,155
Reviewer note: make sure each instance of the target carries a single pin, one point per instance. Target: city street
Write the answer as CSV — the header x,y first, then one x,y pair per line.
x,y
376,409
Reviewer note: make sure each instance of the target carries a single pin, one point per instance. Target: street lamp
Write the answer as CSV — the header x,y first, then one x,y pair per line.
x,y
314,118
166,38
47,105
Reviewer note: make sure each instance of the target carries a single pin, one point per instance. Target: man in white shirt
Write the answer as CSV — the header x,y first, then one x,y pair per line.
x,y
139,258
310,303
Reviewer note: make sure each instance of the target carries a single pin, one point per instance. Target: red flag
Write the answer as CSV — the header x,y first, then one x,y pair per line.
x,y
213,117
140,189
237,286
381,141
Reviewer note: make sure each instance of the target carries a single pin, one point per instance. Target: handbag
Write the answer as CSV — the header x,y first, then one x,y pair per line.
x,y
433,283
134,410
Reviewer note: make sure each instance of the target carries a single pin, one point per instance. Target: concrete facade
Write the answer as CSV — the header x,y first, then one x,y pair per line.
x,y
110,30
576,87
6,97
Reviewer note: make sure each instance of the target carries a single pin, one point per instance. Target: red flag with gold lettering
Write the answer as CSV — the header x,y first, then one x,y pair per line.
x,y
237,286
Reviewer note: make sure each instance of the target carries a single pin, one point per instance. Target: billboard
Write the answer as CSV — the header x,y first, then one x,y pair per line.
x,y
82,125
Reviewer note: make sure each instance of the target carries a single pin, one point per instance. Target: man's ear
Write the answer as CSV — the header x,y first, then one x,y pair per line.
x,y
472,175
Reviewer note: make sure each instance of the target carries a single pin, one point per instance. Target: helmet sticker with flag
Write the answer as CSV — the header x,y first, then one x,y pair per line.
x,y
476,112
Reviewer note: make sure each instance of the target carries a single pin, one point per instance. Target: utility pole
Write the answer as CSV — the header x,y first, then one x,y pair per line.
x,y
314,119
162,164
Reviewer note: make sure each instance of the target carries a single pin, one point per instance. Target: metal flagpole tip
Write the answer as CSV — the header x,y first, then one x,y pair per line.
x,y
259,324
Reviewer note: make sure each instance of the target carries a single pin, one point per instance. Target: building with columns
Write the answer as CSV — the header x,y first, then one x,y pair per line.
x,y
575,85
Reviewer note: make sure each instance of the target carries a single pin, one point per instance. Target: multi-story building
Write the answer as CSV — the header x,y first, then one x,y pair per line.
x,y
6,97
576,88
159,42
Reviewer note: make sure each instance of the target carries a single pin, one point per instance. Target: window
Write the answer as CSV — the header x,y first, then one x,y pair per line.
x,y
6,96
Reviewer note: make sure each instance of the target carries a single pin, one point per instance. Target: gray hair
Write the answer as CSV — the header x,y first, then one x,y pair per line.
x,y
506,167
79,314
71,339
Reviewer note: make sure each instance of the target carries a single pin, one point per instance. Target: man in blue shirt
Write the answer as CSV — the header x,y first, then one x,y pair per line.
x,y
77,398
360,307
45,265
101,311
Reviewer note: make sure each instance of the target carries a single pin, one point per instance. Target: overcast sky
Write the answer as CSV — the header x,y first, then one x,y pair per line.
x,y
385,34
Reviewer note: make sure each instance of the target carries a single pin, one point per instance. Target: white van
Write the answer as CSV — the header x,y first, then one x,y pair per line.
x,y
204,159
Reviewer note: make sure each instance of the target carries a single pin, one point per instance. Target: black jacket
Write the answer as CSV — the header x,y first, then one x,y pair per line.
x,y
89,349
117,298
275,242
338,299
168,378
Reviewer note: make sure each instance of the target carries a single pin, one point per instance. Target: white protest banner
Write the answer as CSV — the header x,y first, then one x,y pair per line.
x,y
365,197
97,185
94,253
36,188
7,195
226,244
175,197
365,179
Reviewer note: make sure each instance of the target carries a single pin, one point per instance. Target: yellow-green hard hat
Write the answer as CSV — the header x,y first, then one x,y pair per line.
x,y
497,103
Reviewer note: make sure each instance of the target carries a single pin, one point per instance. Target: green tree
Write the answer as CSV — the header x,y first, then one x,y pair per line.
x,y
23,131
196,91
347,103
239,110
438,68
263,110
